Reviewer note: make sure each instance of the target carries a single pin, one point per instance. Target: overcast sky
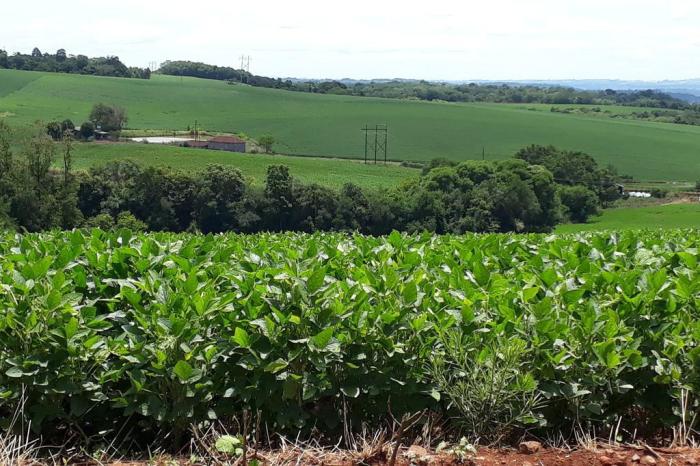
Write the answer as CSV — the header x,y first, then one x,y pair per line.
x,y
490,39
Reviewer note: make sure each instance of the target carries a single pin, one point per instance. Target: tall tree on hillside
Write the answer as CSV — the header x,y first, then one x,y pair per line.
x,y
266,141
61,55
108,117
36,53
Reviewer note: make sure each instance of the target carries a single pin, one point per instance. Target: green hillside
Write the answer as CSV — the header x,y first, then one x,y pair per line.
x,y
634,218
328,125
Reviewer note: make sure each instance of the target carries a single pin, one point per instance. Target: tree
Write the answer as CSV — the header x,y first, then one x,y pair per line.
x,y
61,55
67,156
108,117
580,202
87,130
267,141
219,188
315,208
279,196
81,62
36,53
353,209
67,126
574,168
39,154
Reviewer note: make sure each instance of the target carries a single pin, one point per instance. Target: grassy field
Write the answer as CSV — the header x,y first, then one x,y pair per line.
x,y
325,125
661,216
328,172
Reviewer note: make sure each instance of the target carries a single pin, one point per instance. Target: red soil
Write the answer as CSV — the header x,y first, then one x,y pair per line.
x,y
631,456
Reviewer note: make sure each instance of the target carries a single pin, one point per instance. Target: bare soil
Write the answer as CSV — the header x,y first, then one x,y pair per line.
x,y
417,456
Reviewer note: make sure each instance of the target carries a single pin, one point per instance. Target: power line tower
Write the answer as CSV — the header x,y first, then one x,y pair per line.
x,y
245,66
376,141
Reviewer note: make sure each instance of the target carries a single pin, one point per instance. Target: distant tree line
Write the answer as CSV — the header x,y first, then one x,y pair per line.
x,y
61,62
432,91
221,73
685,116
530,193
497,93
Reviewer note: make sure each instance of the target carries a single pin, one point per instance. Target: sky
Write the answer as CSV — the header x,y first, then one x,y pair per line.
x,y
437,40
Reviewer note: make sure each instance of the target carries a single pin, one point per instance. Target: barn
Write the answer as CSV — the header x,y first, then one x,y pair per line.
x,y
227,143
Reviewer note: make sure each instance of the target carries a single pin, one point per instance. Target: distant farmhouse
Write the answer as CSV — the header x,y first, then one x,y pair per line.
x,y
227,143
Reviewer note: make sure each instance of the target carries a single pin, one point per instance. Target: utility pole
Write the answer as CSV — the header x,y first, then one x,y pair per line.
x,y
366,130
376,133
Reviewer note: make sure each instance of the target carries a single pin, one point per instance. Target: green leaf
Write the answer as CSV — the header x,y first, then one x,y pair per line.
x,y
14,372
276,366
71,328
315,281
323,339
481,273
350,391
410,293
183,370
241,337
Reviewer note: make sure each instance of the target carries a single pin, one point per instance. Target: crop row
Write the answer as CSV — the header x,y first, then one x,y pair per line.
x,y
166,330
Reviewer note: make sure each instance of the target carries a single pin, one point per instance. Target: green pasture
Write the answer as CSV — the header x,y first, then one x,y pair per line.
x,y
634,218
328,172
329,125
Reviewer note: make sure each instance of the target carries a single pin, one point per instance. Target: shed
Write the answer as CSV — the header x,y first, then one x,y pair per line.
x,y
227,143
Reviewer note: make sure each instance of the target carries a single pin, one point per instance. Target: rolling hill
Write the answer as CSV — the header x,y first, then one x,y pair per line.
x,y
329,125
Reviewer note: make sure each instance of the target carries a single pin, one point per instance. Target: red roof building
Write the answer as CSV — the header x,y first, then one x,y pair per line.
x,y
227,143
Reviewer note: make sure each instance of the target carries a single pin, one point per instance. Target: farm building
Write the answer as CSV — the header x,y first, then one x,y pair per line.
x,y
228,143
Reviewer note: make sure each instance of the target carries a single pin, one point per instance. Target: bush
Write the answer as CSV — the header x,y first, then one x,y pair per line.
x,y
128,221
489,386
101,221
659,193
